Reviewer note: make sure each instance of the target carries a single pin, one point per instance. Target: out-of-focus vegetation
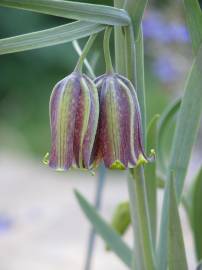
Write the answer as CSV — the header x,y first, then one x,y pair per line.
x,y
27,78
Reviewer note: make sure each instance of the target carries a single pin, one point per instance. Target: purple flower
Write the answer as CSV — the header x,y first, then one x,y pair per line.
x,y
119,136
165,70
179,33
155,26
74,110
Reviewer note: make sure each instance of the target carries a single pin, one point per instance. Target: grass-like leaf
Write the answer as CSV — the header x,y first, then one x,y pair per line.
x,y
136,10
119,39
143,244
187,124
176,251
49,37
140,80
164,121
73,10
194,21
113,240
151,179
196,214
183,141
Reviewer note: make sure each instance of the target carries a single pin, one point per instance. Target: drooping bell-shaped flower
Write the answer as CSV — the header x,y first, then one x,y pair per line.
x,y
119,135
74,111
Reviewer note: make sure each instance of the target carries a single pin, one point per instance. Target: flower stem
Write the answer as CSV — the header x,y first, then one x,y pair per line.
x,y
143,250
143,257
130,55
107,55
86,49
119,43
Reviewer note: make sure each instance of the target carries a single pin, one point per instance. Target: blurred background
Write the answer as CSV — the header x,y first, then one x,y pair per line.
x,y
41,226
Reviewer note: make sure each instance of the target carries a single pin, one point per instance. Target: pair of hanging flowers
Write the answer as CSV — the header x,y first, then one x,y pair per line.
x,y
95,121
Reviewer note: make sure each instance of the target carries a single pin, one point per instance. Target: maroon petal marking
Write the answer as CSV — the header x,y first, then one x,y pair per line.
x,y
53,111
138,131
63,121
111,124
89,138
86,122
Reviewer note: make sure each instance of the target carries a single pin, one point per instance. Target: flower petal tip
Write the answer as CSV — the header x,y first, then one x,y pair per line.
x,y
60,170
141,160
117,165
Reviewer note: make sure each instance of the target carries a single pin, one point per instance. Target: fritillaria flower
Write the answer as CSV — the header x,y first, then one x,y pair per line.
x,y
74,110
119,135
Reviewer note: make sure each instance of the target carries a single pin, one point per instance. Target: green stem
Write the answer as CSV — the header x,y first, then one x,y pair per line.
x,y
143,258
119,43
143,248
143,252
130,54
86,49
107,56
140,81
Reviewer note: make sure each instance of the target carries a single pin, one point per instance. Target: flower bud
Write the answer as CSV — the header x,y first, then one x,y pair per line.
x,y
119,136
74,110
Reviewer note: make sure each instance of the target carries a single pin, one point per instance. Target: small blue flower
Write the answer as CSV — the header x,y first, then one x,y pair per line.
x,y
165,70
156,27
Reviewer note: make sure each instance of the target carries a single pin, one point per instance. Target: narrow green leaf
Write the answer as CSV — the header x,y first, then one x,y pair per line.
x,y
119,44
135,70
135,10
162,250
187,202
187,124
49,37
140,80
183,141
176,251
163,124
194,21
143,246
150,177
197,214
112,239
72,10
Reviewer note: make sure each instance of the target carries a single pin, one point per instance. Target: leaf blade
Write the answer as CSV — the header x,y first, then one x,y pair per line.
x,y
119,43
49,37
72,10
143,245
163,123
194,22
188,119
150,178
177,257
140,79
112,239
197,214
136,10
